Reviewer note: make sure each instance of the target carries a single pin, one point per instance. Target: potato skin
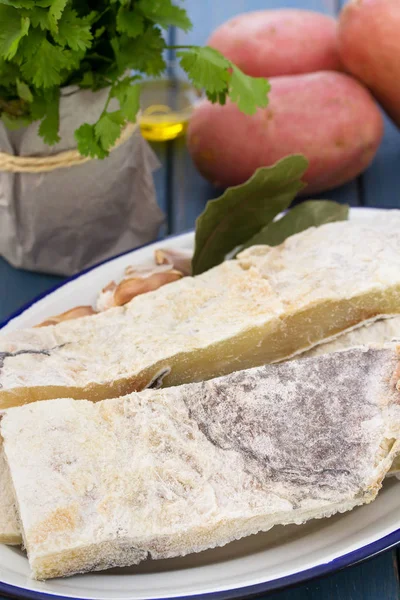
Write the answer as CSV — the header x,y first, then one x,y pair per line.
x,y
369,44
271,43
329,117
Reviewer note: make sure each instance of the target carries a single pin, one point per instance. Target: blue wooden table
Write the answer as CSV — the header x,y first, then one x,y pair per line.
x,y
182,193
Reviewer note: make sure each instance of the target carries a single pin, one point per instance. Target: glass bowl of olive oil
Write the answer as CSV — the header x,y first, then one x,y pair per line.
x,y
165,108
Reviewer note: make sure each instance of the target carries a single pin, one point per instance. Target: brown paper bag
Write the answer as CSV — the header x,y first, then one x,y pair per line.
x,y
64,220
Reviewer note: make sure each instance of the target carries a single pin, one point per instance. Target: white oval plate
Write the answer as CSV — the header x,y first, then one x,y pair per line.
x,y
283,556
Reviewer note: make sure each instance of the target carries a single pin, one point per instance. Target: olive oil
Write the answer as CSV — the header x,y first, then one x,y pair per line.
x,y
158,123
166,106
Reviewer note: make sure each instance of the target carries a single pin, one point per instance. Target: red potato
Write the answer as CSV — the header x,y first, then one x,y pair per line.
x,y
270,43
329,117
369,44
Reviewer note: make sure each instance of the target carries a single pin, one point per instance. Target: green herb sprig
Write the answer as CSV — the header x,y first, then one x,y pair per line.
x,y
246,215
48,44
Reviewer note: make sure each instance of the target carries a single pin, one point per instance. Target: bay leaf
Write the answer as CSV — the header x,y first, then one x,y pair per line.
x,y
242,211
310,213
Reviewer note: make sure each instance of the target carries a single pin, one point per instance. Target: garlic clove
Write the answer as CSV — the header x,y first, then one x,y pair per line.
x,y
110,287
179,259
105,299
73,313
134,286
146,270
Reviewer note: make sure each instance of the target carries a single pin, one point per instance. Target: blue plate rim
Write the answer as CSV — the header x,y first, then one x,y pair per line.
x,y
347,560
370,550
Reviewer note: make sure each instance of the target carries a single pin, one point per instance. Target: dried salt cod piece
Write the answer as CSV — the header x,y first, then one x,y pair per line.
x,y
268,305
163,473
378,332
9,526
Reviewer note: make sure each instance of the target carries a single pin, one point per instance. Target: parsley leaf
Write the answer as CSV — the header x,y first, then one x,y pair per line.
x,y
128,96
8,73
206,67
11,34
165,14
73,31
108,128
29,45
44,66
23,91
87,80
13,123
130,106
143,53
50,124
249,93
55,12
88,144
219,97
130,22
40,18
46,44
96,140
38,106
19,3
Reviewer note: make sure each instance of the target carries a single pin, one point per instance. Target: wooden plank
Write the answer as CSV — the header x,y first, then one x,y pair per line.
x,y
19,287
375,579
397,565
381,182
190,190
160,182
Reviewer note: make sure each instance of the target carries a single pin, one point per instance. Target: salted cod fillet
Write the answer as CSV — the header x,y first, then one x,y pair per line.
x,y
265,306
379,332
10,532
163,473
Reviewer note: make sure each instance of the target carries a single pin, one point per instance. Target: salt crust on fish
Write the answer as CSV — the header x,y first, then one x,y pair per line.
x,y
375,332
9,526
265,306
167,472
378,332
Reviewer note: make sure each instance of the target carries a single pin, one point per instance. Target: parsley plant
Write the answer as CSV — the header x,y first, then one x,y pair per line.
x,y
48,44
